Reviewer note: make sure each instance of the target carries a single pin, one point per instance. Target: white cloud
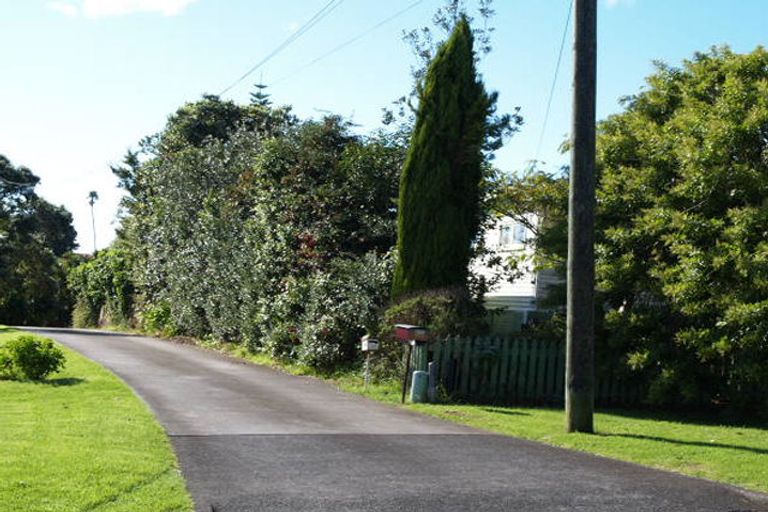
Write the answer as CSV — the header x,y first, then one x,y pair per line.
x,y
615,3
95,9
65,8
292,27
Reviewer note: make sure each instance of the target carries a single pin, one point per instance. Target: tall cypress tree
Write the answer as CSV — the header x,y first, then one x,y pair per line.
x,y
439,207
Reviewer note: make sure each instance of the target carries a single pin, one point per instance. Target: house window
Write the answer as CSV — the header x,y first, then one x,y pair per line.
x,y
520,233
512,234
505,236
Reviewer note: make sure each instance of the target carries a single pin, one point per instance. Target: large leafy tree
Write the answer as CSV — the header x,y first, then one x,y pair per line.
x,y
271,232
34,235
682,256
440,194
211,118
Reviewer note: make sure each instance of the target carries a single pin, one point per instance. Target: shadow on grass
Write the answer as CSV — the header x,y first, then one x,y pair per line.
x,y
64,381
55,383
759,451
499,410
712,418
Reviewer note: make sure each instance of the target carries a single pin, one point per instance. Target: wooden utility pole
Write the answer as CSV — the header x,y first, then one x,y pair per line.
x,y
579,370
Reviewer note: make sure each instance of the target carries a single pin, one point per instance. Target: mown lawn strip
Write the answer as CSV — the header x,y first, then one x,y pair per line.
x,y
83,441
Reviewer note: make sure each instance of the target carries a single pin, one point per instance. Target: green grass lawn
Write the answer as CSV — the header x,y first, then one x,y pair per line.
x,y
83,441
735,454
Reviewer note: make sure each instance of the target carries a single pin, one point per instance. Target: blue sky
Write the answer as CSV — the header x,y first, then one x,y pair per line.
x,y
84,80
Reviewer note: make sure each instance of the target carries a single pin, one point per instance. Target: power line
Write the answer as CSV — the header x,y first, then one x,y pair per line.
x,y
314,20
554,79
348,42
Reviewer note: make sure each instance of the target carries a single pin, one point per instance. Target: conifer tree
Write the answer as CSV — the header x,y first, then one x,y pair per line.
x,y
260,97
439,204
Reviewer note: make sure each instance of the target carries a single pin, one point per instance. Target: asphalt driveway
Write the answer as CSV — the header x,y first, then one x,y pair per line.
x,y
250,438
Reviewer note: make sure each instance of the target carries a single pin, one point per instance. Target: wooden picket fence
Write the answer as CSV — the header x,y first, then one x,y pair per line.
x,y
519,370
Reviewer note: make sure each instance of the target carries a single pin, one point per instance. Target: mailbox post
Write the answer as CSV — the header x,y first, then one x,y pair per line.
x,y
414,336
368,345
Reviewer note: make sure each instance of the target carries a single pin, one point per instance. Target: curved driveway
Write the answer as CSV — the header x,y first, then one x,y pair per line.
x,y
250,438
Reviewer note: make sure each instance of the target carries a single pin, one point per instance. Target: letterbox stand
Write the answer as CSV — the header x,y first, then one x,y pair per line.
x,y
368,345
410,334
407,372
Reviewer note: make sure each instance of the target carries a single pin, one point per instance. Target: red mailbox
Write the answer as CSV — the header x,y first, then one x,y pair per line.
x,y
407,333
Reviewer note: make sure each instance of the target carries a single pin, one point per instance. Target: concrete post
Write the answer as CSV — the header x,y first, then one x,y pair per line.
x,y
419,387
432,390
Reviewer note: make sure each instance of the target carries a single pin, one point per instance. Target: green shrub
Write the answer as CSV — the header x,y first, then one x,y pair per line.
x,y
341,305
85,314
281,340
102,287
318,320
30,357
157,318
446,312
276,241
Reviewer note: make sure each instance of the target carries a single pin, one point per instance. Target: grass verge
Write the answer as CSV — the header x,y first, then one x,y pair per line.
x,y
83,441
733,454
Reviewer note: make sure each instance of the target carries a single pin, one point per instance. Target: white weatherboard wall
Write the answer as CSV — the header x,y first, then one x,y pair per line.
x,y
513,301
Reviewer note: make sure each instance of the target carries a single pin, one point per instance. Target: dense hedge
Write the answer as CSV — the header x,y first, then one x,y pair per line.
x,y
103,288
252,228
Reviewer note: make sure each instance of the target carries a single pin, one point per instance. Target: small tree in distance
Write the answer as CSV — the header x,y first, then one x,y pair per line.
x,y
93,196
260,97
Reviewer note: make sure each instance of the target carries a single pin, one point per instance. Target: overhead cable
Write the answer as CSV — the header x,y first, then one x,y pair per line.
x,y
348,42
554,80
314,20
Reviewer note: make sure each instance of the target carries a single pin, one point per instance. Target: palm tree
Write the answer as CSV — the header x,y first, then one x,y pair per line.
x,y
92,198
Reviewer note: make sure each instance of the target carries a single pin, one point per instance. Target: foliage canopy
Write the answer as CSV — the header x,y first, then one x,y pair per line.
x,y
257,228
682,256
34,236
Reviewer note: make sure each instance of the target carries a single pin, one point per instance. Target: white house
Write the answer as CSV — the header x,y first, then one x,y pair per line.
x,y
515,303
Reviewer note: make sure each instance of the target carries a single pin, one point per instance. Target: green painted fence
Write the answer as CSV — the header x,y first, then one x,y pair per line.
x,y
517,370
